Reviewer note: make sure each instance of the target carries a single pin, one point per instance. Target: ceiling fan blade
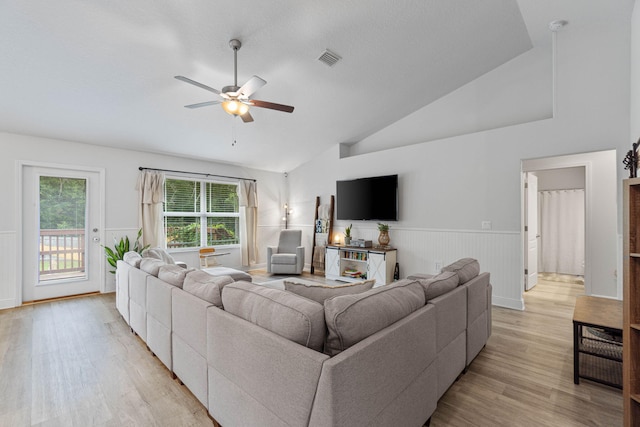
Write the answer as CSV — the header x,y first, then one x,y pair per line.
x,y
250,87
202,104
195,83
246,117
271,105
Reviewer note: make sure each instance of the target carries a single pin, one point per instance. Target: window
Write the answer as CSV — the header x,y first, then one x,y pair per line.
x,y
200,213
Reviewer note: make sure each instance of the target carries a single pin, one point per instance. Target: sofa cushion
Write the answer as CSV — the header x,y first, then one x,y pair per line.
x,y
440,284
132,258
158,253
206,286
467,269
421,276
151,265
352,318
284,313
173,274
319,292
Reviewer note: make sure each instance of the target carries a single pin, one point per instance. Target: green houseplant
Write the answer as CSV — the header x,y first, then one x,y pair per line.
x,y
122,247
347,235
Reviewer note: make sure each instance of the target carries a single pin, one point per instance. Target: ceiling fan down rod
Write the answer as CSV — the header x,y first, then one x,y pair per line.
x,y
235,45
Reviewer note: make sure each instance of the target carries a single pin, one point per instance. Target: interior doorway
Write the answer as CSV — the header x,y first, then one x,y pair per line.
x,y
591,247
61,214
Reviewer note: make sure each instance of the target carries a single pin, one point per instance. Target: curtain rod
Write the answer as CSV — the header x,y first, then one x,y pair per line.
x,y
197,173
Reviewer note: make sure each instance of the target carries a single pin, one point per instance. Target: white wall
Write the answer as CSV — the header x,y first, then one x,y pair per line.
x,y
635,69
561,179
121,216
449,186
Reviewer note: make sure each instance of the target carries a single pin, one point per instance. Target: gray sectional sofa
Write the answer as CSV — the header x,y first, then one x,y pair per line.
x,y
255,355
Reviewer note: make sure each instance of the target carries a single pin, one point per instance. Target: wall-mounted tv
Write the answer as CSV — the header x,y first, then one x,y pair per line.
x,y
374,198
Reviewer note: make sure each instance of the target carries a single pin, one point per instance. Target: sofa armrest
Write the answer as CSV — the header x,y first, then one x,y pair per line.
x,y
270,251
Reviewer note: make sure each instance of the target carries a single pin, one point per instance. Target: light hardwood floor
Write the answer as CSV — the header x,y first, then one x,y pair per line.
x,y
75,362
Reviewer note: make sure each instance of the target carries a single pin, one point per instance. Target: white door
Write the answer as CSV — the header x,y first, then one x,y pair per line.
x,y
531,232
61,252
332,263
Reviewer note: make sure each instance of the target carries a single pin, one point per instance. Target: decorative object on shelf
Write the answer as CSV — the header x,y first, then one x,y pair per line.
x,y
285,217
122,247
383,238
631,160
396,272
347,235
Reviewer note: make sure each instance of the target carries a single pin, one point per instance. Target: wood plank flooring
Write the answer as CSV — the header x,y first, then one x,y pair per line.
x,y
74,362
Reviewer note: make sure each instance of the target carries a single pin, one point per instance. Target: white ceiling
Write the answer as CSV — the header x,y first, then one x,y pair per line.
x,y
102,72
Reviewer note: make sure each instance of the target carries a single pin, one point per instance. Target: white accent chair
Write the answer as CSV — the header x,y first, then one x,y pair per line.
x,y
288,256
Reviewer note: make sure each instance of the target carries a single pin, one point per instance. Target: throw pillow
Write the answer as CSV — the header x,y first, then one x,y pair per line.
x,y
467,269
132,258
173,274
158,253
291,316
440,284
320,293
151,265
352,318
206,286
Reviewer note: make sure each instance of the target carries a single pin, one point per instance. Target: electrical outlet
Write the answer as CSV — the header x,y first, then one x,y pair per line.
x,y
438,266
486,225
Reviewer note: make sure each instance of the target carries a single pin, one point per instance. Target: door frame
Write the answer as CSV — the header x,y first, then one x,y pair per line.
x,y
562,162
20,166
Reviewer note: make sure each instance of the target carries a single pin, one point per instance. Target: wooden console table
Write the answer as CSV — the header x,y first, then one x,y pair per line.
x,y
595,358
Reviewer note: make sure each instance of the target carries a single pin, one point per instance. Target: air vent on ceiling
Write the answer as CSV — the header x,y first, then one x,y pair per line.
x,y
329,58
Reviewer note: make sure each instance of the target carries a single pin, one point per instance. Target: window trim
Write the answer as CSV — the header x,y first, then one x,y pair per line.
x,y
202,214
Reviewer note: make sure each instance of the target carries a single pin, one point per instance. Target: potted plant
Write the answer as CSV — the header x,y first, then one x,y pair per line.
x,y
122,247
347,235
383,238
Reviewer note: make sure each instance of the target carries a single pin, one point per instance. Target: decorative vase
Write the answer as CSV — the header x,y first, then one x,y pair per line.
x,y
383,238
347,240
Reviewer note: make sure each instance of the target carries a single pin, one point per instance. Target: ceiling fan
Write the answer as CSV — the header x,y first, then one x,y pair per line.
x,y
237,100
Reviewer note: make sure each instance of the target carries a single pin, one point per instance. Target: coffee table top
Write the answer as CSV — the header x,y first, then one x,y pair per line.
x,y
598,311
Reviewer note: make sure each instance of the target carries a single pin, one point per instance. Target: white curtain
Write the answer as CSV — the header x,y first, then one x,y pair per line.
x,y
562,231
248,198
150,188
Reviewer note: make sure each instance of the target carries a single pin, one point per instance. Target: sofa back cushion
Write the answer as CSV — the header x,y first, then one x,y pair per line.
x,y
173,274
132,258
352,318
467,269
158,253
151,265
440,284
319,292
205,286
284,313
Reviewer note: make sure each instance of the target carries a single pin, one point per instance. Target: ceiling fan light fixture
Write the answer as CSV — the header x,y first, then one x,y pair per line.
x,y
235,107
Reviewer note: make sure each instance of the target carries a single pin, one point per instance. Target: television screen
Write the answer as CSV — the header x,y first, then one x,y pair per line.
x,y
374,198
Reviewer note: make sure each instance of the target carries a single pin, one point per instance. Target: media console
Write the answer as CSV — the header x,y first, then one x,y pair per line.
x,y
352,264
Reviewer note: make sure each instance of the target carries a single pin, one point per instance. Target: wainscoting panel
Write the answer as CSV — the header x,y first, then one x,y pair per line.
x,y
419,249
8,276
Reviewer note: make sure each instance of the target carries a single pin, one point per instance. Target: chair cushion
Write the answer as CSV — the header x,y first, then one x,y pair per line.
x,y
289,240
439,285
173,274
352,318
206,286
288,259
132,258
467,269
289,315
151,265
319,292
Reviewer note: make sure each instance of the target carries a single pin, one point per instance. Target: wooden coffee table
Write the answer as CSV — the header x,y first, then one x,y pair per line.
x,y
596,358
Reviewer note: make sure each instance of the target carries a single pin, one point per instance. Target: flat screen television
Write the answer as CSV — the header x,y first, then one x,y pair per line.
x,y
374,198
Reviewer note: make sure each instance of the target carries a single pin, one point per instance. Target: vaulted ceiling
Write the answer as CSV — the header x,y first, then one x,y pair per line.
x,y
102,72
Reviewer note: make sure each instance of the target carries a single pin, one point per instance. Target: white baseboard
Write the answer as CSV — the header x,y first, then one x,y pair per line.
x,y
514,304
